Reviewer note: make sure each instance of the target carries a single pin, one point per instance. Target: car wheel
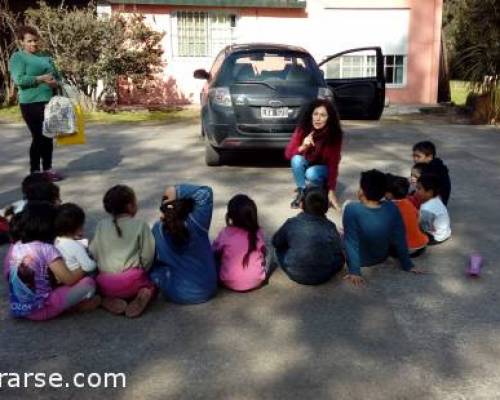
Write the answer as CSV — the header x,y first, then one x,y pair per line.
x,y
213,157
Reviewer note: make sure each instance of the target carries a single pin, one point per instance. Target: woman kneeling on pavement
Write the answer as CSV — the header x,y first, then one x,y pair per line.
x,y
314,150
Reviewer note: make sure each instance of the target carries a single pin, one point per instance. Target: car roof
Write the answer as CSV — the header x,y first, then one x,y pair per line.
x,y
234,48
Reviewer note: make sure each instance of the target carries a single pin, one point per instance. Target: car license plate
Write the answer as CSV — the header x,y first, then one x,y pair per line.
x,y
270,112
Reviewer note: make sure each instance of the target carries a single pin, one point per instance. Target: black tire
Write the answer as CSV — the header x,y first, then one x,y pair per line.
x,y
213,157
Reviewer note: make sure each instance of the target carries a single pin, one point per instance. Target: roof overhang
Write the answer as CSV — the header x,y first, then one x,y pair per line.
x,y
218,3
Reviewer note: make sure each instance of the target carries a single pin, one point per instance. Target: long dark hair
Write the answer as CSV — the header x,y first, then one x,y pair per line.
x,y
333,126
242,213
117,201
36,222
69,219
175,213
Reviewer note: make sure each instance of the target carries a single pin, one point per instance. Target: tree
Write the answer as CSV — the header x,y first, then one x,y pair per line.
x,y
451,14
88,48
477,48
8,22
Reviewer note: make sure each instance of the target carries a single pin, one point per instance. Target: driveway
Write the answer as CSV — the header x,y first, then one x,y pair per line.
x,y
435,336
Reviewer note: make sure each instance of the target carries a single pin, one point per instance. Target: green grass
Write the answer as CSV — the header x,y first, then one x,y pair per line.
x,y
12,114
459,92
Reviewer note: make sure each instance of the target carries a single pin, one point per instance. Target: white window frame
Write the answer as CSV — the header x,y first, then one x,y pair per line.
x,y
405,71
212,50
366,66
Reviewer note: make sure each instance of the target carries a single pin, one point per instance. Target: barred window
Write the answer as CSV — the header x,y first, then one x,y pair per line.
x,y
201,34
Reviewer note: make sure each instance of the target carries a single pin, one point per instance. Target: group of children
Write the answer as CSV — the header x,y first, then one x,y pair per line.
x,y
51,269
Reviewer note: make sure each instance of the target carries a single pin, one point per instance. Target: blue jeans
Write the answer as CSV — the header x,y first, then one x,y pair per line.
x,y
315,175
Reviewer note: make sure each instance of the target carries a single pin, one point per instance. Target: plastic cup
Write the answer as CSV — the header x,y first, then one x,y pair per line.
x,y
475,263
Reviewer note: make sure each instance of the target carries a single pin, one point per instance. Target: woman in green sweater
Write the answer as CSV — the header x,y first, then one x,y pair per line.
x,y
36,78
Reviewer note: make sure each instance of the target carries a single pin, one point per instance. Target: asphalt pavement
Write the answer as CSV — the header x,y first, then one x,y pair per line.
x,y
403,336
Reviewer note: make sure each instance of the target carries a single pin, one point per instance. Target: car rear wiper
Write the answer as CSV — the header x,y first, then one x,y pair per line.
x,y
255,83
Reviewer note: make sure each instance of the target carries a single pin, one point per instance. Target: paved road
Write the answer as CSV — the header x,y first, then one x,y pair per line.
x,y
403,337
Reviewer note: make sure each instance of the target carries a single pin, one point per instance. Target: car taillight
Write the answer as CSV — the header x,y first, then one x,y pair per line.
x,y
325,93
221,96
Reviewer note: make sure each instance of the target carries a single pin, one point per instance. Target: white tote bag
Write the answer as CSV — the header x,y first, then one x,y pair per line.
x,y
59,117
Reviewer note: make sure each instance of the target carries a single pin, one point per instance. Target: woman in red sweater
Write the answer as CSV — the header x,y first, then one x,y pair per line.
x,y
314,150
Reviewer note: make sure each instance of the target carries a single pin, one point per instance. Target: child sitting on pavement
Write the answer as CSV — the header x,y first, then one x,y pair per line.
x,y
434,218
29,189
240,247
124,248
397,189
308,246
69,224
184,267
373,228
35,266
425,152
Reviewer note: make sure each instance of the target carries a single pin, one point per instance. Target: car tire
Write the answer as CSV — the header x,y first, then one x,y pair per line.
x,y
213,157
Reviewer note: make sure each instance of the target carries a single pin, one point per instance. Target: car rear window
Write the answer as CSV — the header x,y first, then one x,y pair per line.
x,y
269,66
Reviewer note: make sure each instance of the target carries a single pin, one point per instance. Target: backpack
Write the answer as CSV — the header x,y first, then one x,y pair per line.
x,y
59,117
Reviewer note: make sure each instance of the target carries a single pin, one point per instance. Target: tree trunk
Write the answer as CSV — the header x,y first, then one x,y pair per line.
x,y
444,92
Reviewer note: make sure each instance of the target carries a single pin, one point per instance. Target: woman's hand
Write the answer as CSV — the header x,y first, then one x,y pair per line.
x,y
52,83
307,142
45,78
332,199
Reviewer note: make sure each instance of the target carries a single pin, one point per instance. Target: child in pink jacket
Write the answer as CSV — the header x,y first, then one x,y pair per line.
x,y
240,247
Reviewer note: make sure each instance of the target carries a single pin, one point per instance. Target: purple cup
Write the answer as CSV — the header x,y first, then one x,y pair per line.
x,y
475,263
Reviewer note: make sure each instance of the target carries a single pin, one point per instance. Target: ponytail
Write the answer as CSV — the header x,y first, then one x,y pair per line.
x,y
252,246
118,229
242,213
175,214
116,201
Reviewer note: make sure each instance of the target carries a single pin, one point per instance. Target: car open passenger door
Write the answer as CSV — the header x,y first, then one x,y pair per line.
x,y
357,80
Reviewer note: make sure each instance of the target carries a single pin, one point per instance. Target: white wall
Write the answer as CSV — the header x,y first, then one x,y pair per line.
x,y
325,31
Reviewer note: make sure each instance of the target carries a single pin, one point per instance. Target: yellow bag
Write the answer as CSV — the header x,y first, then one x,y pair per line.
x,y
79,136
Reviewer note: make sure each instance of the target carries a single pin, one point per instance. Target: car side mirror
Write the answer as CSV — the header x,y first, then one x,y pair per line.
x,y
201,74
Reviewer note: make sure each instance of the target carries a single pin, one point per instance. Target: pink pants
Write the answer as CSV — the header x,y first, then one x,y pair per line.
x,y
6,262
123,285
63,298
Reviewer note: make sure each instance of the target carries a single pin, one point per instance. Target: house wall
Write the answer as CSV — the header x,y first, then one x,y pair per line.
x,y
312,29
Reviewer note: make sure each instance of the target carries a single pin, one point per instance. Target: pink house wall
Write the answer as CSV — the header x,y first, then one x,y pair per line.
x,y
424,35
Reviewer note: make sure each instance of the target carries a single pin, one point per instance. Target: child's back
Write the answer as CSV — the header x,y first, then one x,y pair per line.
x,y
369,234
397,189
434,219
232,245
184,267
308,246
114,253
415,238
438,168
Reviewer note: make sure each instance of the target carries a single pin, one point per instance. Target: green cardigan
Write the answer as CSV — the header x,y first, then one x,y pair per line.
x,y
24,68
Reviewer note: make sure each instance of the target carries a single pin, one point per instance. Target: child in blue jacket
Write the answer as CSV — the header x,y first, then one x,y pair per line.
x,y
184,266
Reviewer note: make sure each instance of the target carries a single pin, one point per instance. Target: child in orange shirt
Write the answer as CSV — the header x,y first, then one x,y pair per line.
x,y
397,191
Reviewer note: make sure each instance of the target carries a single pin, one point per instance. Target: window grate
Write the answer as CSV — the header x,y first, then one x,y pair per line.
x,y
202,34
